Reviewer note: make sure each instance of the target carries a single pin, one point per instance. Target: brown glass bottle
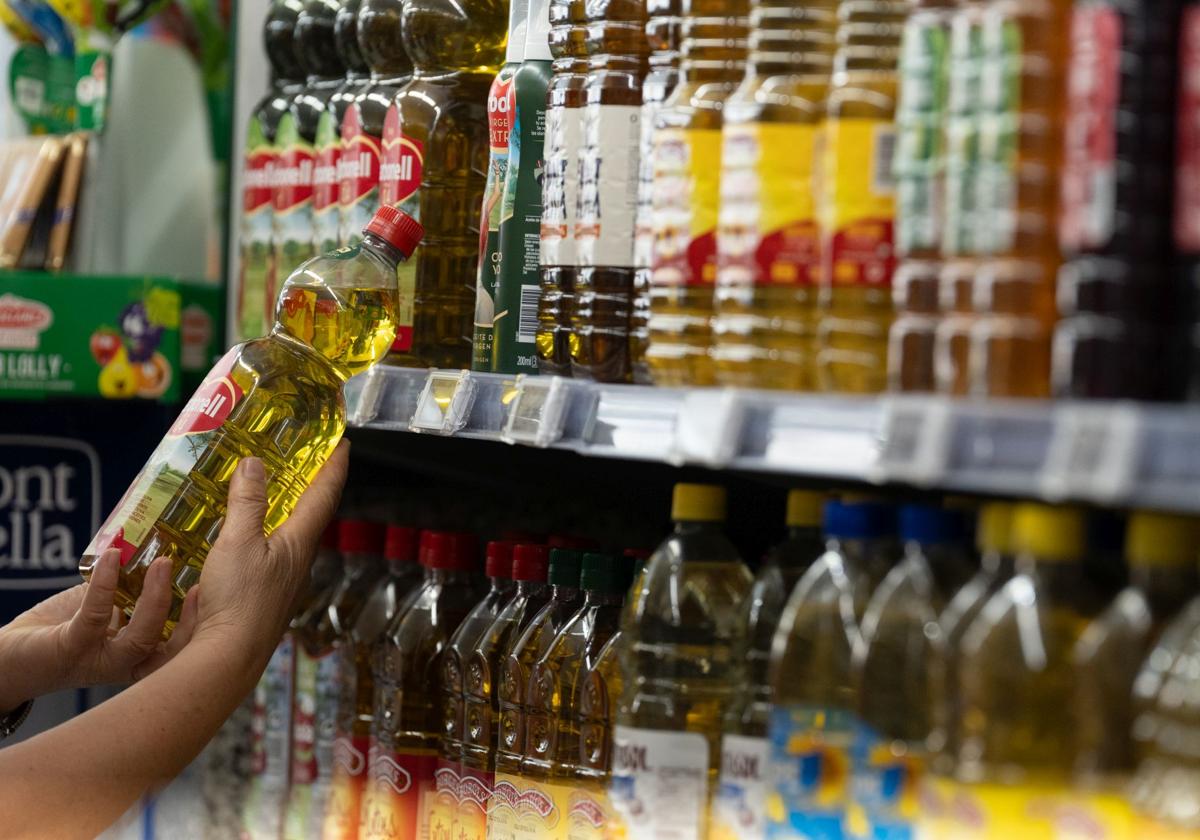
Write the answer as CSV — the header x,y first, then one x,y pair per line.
x,y
560,185
609,170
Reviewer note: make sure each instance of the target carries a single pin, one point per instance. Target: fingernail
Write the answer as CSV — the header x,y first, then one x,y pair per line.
x,y
253,468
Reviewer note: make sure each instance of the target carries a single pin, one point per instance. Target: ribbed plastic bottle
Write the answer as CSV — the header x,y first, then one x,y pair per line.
x,y
857,198
685,193
740,805
407,716
440,811
608,189
678,672
435,162
768,243
662,34
813,716
502,106
559,260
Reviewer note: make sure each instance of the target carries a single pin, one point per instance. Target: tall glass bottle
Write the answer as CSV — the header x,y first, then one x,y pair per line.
x,y
502,105
678,672
857,199
768,247
687,164
609,165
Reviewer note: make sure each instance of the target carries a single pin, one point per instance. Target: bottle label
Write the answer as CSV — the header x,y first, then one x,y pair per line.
x,y
608,185
291,197
993,811
522,808
1089,174
325,185
401,163
920,150
257,260
560,186
859,201
130,527
999,119
810,761
1187,134
960,236
660,782
350,764
314,727
739,809
643,244
767,227
687,164
441,810
886,786
358,178
473,799
399,786
934,817
1096,815
263,809
501,105
585,810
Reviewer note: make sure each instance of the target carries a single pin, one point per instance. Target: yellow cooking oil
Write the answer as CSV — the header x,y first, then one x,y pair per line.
x,y
278,398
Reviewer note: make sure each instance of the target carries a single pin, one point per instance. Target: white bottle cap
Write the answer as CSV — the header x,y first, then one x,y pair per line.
x,y
537,45
518,25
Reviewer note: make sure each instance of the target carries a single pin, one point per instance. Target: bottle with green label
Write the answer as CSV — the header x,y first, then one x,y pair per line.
x,y
501,105
519,283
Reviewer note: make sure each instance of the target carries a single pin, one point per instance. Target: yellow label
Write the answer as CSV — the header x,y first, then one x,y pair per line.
x,y
1004,812
523,810
933,819
857,172
786,169
585,811
687,174
1095,816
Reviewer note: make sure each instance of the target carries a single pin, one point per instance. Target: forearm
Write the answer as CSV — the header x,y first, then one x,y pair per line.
x,y
20,679
78,778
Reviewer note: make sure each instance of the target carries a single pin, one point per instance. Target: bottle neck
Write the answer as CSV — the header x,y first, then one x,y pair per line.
x,y
602,598
403,568
1061,580
692,528
445,576
529,587
1167,587
1001,565
561,593
379,247
500,585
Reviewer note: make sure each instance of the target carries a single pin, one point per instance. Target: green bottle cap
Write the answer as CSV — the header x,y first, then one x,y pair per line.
x,y
600,573
565,564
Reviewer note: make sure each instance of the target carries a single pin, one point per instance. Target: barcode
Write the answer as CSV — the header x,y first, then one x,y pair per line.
x,y
904,437
883,179
527,323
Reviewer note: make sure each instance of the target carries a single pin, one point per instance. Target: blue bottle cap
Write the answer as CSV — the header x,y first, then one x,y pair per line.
x,y
931,524
859,520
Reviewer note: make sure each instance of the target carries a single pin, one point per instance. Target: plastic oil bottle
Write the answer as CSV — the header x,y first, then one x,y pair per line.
x,y
740,805
686,182
1016,678
361,544
257,257
278,398
1160,551
813,715
405,671
663,21
551,756
519,282
377,29
270,751
316,34
481,726
888,670
501,107
435,162
558,259
509,813
678,672
440,811
609,170
857,200
768,244
920,189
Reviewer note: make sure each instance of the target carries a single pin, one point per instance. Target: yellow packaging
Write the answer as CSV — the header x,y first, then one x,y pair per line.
x,y
687,174
1004,812
858,204
1091,815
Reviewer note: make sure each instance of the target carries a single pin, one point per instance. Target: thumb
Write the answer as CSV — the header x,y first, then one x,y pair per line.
x,y
243,527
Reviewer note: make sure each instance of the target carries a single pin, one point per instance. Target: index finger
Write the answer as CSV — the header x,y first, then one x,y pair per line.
x,y
319,502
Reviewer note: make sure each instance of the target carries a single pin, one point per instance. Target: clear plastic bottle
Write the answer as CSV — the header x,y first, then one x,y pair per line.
x,y
814,708
678,672
498,569
740,805
857,198
687,166
405,672
278,398
1016,679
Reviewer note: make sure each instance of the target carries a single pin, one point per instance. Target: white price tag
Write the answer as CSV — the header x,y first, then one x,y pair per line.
x,y
1093,452
709,427
915,443
445,403
536,414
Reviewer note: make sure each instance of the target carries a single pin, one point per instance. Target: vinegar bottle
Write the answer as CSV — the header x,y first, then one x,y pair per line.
x,y
768,247
278,398
617,50
687,161
858,198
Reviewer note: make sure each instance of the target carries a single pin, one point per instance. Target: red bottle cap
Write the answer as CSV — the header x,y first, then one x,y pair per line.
x,y
358,536
329,537
397,228
531,562
452,551
425,547
401,544
499,559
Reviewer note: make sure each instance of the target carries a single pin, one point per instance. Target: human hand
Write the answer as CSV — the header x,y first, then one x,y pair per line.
x,y
76,638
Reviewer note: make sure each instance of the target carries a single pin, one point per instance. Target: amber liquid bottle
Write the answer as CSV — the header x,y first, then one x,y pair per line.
x,y
768,245
687,164
438,169
608,189
560,184
662,34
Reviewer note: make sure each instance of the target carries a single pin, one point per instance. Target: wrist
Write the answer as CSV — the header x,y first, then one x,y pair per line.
x,y
24,669
245,649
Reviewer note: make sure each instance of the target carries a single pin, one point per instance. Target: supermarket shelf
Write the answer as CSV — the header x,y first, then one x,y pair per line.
x,y
1104,452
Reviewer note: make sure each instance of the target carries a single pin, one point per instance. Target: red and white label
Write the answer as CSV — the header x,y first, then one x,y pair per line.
x,y
293,179
210,406
325,177
401,162
500,106
862,254
257,179
1187,134
358,167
